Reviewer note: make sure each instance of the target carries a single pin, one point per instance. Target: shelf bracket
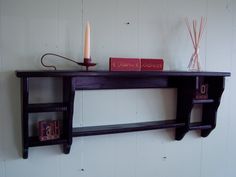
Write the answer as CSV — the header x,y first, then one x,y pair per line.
x,y
209,111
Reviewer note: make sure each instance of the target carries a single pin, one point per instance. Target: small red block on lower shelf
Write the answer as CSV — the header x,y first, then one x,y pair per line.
x,y
48,130
125,64
152,64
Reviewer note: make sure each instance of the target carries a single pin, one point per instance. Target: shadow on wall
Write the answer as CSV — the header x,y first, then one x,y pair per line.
x,y
175,58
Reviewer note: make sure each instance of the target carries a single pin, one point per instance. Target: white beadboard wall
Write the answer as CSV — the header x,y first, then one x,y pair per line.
x,y
30,28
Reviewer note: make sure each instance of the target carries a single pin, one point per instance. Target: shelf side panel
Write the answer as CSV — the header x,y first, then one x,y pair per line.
x,y
25,116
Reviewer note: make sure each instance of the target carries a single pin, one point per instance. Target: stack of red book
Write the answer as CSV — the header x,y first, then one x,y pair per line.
x,y
136,64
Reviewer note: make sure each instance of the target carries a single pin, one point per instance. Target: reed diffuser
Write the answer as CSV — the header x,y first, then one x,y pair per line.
x,y
196,36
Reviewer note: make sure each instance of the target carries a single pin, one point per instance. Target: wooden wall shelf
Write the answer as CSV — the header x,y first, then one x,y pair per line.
x,y
188,85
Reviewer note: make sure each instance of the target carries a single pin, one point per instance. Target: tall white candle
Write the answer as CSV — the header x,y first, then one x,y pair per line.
x,y
87,41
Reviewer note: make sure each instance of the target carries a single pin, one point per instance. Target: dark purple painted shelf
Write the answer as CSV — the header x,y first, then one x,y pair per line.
x,y
186,83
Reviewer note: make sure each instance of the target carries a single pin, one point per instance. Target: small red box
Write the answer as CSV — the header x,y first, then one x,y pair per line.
x,y
152,64
125,64
48,130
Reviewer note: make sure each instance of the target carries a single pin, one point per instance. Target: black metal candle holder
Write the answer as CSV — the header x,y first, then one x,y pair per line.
x,y
87,61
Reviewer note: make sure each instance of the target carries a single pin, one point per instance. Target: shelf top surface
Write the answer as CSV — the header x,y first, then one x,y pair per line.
x,y
76,73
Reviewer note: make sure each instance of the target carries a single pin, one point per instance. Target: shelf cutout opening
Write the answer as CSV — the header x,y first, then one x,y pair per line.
x,y
143,105
45,90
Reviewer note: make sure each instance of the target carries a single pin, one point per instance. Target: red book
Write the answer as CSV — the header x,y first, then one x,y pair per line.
x,y
125,64
152,64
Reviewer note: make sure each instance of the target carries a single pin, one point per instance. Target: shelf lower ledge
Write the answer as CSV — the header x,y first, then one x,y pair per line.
x,y
195,101
34,141
123,128
47,107
199,126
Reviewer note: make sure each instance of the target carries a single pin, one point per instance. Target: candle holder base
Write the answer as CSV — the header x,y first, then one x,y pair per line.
x,y
87,63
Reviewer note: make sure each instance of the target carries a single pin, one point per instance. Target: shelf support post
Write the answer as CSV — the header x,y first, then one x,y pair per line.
x,y
24,116
185,92
68,98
